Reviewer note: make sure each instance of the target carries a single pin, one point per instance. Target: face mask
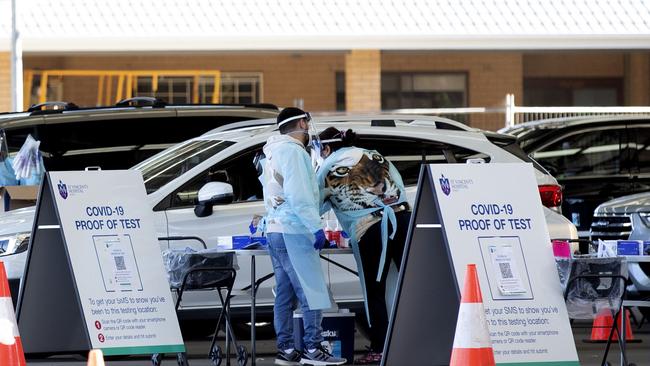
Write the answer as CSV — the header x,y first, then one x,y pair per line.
x,y
311,132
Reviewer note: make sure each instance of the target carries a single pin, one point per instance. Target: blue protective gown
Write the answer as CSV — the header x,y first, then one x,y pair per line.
x,y
291,198
7,174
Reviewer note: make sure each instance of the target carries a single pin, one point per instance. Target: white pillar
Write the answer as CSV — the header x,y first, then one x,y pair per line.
x,y
16,62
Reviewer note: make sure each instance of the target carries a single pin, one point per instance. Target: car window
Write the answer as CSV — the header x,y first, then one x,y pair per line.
x,y
583,153
639,149
238,171
16,136
112,143
462,155
408,154
173,163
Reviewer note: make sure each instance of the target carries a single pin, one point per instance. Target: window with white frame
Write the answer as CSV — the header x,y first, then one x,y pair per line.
x,y
423,90
172,89
236,88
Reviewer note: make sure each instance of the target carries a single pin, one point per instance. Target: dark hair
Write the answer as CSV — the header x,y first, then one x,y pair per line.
x,y
348,138
289,126
287,113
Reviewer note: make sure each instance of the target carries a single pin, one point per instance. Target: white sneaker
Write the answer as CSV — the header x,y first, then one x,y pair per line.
x,y
320,357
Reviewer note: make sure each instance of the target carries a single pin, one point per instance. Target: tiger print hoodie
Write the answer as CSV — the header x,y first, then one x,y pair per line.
x,y
358,184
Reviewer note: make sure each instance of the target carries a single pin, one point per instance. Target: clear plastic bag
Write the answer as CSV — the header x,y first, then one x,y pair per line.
x,y
28,160
588,297
178,262
563,269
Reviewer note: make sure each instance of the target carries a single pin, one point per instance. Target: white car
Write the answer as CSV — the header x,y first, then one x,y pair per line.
x,y
174,177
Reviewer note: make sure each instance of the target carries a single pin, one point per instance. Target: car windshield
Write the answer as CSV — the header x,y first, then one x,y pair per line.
x,y
175,161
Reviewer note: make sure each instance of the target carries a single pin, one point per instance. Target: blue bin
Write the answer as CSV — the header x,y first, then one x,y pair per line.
x,y
338,331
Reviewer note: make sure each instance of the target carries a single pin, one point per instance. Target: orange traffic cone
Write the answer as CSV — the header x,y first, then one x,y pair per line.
x,y
602,326
472,343
11,349
95,358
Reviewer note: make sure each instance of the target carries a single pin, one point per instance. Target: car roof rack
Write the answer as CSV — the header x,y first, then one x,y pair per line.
x,y
141,102
57,107
263,105
51,107
382,123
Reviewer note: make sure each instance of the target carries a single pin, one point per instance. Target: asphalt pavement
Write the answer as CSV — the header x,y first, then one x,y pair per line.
x,y
589,353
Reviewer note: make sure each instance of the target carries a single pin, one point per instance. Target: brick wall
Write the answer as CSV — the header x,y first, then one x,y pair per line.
x,y
491,75
574,65
311,75
5,81
363,80
632,68
286,76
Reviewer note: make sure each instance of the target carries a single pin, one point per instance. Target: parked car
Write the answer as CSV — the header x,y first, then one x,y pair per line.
x,y
174,177
595,159
624,218
114,137
118,137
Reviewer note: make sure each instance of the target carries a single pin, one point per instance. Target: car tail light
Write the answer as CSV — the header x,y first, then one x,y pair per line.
x,y
551,195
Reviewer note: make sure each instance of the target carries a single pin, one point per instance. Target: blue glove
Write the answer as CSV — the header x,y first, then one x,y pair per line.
x,y
319,239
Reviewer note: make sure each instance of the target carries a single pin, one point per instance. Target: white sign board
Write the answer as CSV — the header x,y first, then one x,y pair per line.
x,y
112,247
492,216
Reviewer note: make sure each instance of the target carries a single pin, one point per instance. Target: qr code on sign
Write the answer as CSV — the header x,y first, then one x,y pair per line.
x,y
119,263
506,270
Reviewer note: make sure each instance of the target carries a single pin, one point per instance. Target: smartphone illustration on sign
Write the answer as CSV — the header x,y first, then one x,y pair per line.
x,y
117,263
505,268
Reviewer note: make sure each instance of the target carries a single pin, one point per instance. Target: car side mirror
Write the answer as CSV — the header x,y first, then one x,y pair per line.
x,y
213,193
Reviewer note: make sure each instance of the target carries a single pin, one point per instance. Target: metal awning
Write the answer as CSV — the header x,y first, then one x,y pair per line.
x,y
61,26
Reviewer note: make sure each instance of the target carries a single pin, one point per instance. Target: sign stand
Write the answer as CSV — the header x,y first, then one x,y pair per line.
x,y
489,215
427,296
48,284
89,280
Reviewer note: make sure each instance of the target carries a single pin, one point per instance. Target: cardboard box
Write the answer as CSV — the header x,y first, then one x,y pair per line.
x,y
14,197
240,242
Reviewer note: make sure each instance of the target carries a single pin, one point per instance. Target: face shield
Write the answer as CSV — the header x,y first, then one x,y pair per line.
x,y
258,161
316,150
311,130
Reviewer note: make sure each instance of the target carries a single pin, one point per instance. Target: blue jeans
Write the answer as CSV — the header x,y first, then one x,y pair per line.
x,y
287,289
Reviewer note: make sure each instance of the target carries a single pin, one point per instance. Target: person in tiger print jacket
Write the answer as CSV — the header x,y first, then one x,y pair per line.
x,y
366,192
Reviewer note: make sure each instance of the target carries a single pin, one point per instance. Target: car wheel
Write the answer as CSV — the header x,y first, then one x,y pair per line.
x,y
198,329
264,331
361,324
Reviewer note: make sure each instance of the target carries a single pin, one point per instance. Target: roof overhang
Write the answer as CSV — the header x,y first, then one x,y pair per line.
x,y
332,43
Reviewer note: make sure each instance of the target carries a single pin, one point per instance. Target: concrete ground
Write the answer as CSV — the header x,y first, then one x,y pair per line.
x,y
589,354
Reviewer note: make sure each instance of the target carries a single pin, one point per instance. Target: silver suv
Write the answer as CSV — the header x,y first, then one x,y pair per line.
x,y
623,218
174,177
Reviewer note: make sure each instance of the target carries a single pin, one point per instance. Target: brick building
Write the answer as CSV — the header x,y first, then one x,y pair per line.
x,y
334,55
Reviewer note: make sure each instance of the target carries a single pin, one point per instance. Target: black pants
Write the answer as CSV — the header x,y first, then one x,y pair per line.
x,y
370,252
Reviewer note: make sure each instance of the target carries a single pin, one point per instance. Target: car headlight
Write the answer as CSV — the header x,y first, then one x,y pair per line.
x,y
14,244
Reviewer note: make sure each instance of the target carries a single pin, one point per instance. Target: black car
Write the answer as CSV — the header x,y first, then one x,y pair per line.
x,y
595,159
120,136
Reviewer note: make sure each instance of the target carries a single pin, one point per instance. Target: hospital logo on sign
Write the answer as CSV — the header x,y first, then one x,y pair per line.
x,y
445,185
63,190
